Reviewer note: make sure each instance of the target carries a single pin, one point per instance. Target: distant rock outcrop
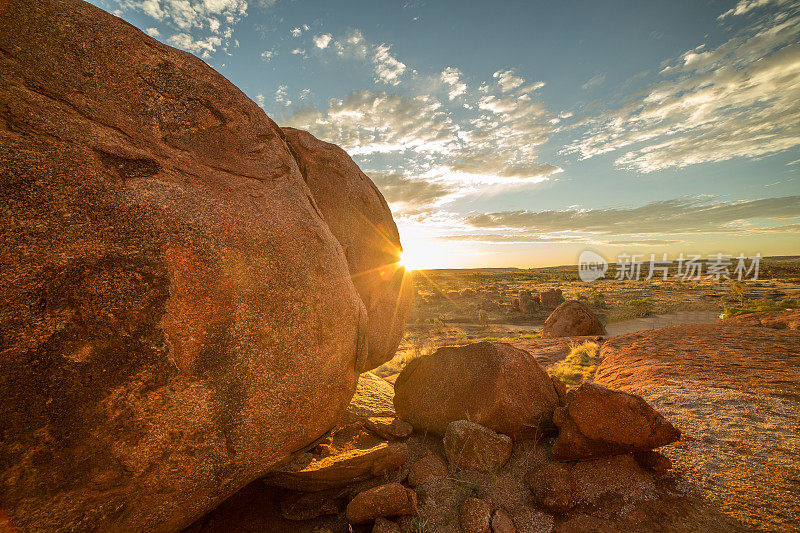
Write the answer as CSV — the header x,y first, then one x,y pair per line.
x,y
177,312
490,383
572,319
551,298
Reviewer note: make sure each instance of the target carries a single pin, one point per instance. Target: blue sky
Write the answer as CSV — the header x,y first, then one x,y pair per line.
x,y
520,133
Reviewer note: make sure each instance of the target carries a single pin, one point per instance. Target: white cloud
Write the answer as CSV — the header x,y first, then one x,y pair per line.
x,y
260,100
745,6
296,32
452,78
322,41
153,32
203,47
202,26
677,216
493,142
280,96
267,55
387,68
740,99
507,80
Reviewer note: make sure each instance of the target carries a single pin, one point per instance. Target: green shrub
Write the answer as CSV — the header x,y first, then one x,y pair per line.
x,y
640,308
597,300
579,365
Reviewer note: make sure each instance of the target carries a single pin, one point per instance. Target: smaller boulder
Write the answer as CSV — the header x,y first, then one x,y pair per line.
x,y
475,516
385,526
475,447
551,484
392,499
495,384
599,422
572,319
388,427
551,298
654,461
502,522
429,468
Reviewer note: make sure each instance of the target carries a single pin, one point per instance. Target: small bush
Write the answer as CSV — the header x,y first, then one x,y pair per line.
x,y
483,318
640,308
579,365
597,300
761,305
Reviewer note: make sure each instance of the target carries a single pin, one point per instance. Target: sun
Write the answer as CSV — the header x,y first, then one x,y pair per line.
x,y
403,261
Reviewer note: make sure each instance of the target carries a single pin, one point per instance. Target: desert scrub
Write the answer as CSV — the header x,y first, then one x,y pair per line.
x,y
579,365
639,308
511,339
756,306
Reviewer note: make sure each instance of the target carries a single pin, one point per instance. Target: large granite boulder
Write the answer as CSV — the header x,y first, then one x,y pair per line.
x,y
572,319
598,422
360,219
176,316
490,383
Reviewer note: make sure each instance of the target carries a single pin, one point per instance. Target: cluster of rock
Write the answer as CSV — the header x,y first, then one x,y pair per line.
x,y
529,303
482,415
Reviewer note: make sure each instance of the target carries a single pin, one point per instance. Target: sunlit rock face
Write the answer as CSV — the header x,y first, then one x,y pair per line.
x,y
176,315
362,222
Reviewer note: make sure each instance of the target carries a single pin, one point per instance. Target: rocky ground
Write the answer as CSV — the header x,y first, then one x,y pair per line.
x,y
729,390
734,390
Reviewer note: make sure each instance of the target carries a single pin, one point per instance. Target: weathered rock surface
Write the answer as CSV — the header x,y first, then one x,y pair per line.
x,y
502,522
359,217
552,485
570,319
176,314
551,298
430,468
385,526
373,397
354,455
654,461
392,499
388,427
475,516
492,384
733,388
598,422
475,447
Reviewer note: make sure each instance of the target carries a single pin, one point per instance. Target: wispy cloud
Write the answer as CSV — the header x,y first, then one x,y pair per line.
x,y
681,215
203,26
451,77
491,137
740,99
595,80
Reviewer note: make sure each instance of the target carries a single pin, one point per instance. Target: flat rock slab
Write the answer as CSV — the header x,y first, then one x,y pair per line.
x,y
373,397
733,388
355,455
736,353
